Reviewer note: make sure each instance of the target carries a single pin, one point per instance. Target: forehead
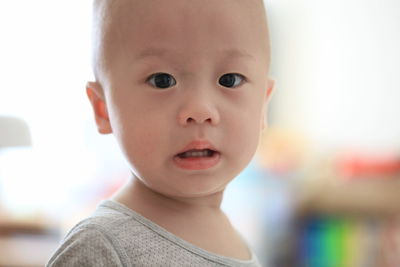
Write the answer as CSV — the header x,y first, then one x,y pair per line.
x,y
141,27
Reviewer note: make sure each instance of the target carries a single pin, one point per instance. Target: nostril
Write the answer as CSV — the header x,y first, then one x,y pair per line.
x,y
191,120
198,118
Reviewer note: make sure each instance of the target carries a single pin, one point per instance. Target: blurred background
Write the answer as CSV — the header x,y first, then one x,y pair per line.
x,y
323,189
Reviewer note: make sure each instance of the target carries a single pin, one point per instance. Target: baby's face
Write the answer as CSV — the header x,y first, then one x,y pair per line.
x,y
185,85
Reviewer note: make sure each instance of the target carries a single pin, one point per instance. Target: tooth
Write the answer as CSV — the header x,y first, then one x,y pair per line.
x,y
204,153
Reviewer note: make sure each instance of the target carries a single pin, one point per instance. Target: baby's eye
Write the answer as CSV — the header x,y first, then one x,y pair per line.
x,y
162,80
231,80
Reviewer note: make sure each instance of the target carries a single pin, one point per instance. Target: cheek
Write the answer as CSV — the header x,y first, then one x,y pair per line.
x,y
143,138
143,145
139,133
249,132
250,113
245,131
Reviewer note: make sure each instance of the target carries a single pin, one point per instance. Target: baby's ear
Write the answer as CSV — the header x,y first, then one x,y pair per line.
x,y
270,89
268,94
96,97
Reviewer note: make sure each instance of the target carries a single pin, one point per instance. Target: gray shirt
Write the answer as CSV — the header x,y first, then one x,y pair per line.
x,y
117,236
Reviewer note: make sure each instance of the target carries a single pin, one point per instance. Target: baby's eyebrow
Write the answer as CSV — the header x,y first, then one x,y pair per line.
x,y
161,52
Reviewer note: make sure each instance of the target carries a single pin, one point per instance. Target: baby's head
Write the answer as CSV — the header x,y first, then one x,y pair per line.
x,y
182,84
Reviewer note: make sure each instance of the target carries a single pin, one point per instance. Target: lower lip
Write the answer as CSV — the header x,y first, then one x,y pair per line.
x,y
200,163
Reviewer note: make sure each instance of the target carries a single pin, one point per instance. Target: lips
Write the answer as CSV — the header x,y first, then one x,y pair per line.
x,y
197,155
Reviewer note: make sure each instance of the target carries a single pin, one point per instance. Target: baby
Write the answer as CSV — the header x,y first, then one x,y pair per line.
x,y
183,86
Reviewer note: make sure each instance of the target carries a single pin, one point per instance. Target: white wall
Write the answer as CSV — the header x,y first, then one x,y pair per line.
x,y
337,65
44,63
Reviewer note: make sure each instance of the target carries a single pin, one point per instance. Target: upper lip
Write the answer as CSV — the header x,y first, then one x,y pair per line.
x,y
198,145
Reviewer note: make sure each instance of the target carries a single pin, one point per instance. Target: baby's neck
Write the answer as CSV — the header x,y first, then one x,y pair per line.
x,y
199,221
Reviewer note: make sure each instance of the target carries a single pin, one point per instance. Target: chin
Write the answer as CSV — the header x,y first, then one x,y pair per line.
x,y
203,191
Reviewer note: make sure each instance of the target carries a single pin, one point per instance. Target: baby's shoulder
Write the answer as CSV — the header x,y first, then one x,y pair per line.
x,y
101,239
114,222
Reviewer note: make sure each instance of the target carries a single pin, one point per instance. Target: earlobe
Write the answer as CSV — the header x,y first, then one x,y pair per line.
x,y
96,97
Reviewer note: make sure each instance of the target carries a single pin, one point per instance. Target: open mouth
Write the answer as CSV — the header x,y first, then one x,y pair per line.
x,y
197,159
197,153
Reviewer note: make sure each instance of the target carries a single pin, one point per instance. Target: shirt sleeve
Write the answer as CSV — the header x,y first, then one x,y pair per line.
x,y
84,248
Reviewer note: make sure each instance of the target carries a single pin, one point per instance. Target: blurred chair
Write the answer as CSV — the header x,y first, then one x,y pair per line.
x,y
14,132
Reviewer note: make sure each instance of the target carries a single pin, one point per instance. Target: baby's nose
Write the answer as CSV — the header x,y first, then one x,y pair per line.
x,y
199,109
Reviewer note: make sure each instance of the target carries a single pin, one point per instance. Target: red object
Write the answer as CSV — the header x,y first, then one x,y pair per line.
x,y
374,166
